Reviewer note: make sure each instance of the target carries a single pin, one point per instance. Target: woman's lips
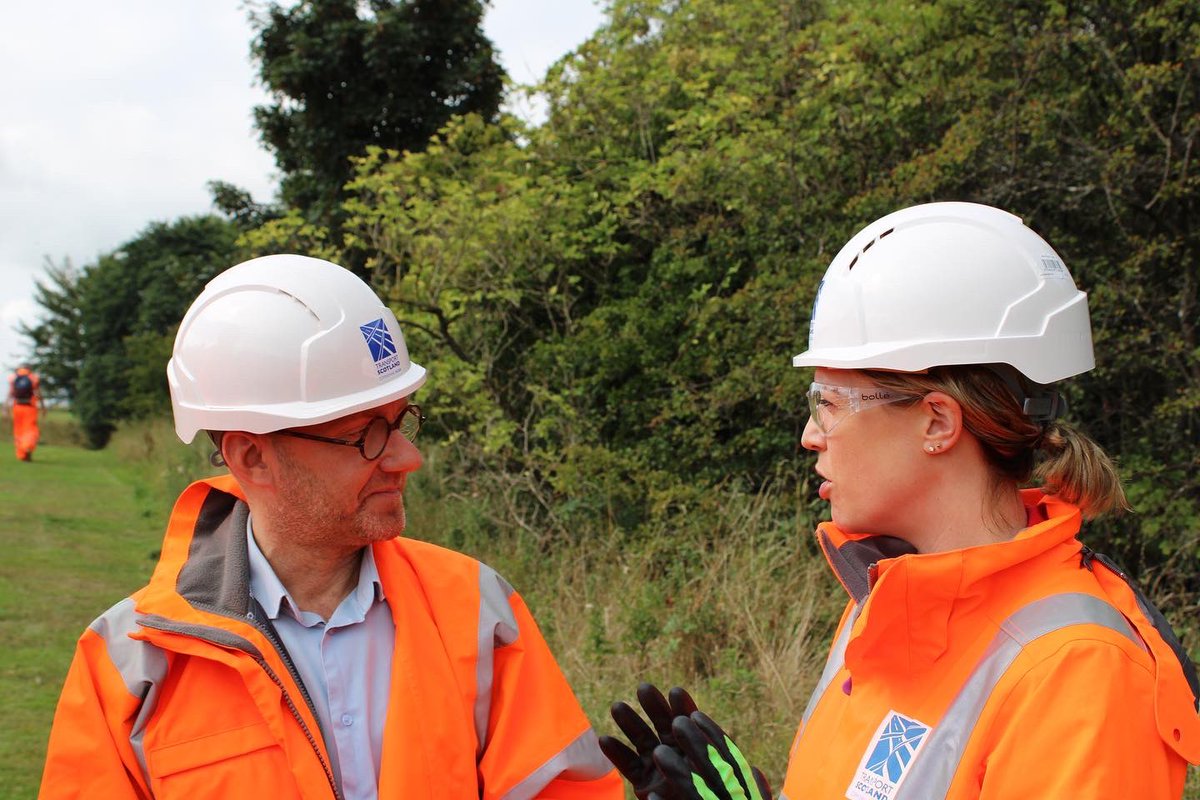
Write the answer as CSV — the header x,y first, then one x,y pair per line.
x,y
823,492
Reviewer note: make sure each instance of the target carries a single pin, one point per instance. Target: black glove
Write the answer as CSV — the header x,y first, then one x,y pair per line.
x,y
707,765
639,767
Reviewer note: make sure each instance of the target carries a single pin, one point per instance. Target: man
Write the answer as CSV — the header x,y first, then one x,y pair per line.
x,y
23,403
289,643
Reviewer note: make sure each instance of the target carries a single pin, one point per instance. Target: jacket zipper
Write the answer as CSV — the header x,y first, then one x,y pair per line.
x,y
262,662
268,630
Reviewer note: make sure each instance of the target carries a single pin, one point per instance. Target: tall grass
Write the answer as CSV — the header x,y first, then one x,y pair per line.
x,y
162,463
732,602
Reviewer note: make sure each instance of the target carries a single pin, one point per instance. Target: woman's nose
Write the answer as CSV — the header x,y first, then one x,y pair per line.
x,y
812,438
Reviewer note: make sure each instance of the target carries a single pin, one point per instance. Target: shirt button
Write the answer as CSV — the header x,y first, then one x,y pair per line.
x,y
347,720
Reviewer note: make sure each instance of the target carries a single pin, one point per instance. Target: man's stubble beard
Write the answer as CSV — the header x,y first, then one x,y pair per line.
x,y
302,512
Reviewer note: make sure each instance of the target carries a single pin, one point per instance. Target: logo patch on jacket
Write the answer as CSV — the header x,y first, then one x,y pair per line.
x,y
890,753
382,346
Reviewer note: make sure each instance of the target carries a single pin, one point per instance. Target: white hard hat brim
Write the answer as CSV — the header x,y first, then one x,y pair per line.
x,y
190,419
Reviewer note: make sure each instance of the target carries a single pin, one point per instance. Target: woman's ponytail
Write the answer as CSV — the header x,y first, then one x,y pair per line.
x,y
1075,469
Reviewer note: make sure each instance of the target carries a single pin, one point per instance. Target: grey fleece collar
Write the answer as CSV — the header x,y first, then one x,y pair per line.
x,y
217,573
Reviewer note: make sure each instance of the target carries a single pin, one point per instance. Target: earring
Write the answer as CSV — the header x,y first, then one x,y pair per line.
x,y
928,448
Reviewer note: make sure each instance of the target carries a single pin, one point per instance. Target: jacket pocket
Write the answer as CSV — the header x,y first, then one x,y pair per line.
x,y
245,762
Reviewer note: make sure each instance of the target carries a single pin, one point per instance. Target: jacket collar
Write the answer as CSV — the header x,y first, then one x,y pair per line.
x,y
912,596
204,567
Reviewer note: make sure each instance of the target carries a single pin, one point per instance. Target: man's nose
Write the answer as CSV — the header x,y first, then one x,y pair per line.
x,y
400,455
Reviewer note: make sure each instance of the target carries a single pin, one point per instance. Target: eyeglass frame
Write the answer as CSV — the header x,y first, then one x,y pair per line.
x,y
412,409
857,397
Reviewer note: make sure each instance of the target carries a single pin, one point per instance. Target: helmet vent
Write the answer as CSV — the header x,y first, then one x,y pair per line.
x,y
867,247
305,305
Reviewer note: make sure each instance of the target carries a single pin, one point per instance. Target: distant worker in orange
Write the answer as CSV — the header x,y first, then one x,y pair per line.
x,y
23,403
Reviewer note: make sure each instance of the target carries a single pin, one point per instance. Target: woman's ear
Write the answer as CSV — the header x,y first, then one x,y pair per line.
x,y
244,454
943,422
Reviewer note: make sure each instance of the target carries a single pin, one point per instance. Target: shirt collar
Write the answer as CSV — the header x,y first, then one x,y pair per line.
x,y
270,592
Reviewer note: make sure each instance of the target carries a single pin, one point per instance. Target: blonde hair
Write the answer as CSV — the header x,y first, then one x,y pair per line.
x,y
1063,460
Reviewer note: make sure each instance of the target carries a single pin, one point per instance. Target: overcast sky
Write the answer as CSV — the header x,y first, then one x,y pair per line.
x,y
114,115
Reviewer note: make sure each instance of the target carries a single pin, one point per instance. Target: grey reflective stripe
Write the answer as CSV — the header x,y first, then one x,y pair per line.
x,y
581,760
497,628
833,665
933,767
142,668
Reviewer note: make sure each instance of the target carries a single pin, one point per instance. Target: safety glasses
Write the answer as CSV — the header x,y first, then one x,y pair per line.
x,y
374,438
829,405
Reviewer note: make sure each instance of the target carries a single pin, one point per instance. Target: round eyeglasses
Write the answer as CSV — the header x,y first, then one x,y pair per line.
x,y
829,405
374,438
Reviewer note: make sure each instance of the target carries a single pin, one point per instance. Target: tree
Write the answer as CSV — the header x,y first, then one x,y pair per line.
x,y
56,338
239,205
344,74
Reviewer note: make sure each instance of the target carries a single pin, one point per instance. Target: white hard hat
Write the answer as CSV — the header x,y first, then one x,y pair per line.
x,y
284,341
950,283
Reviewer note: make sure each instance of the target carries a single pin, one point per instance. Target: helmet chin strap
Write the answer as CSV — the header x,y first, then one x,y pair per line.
x,y
1039,402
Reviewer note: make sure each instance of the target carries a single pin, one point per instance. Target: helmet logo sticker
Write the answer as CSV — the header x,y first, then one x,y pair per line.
x,y
382,347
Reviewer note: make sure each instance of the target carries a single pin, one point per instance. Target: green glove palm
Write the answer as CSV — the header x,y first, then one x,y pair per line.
x,y
711,766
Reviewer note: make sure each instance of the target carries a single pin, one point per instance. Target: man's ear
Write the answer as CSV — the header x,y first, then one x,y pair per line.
x,y
942,421
245,455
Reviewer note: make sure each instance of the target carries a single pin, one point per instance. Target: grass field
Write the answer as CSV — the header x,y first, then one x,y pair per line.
x,y
80,529
76,537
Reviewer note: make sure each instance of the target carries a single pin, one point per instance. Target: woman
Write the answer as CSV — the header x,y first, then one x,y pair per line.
x,y
984,651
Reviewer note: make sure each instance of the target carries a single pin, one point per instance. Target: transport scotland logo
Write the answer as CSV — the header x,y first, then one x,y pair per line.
x,y
381,345
888,757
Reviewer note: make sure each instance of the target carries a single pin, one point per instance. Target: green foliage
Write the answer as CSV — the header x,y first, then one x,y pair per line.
x,y
344,75
608,302
237,204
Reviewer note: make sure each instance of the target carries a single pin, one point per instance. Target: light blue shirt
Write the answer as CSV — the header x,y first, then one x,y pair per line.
x,y
345,663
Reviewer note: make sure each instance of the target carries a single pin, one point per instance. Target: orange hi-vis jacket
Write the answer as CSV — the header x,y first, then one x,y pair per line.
x,y
177,692
25,416
1023,669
